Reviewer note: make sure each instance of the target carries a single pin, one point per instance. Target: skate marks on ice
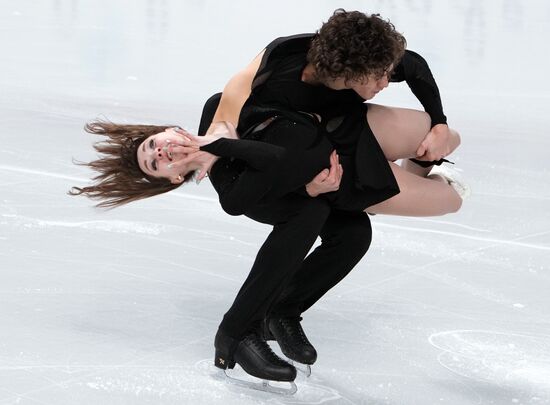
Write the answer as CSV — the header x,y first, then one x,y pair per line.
x,y
311,390
147,384
511,361
124,383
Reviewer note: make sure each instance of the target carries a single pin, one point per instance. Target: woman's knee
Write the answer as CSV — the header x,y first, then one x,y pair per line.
x,y
399,131
455,204
398,118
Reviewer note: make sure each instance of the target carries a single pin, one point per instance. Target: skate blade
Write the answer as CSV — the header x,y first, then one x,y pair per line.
x,y
305,369
263,385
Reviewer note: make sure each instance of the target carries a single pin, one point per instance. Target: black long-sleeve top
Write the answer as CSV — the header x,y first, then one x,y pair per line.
x,y
290,154
414,69
278,83
251,172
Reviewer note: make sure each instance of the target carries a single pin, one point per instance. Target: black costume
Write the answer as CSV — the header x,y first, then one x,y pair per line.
x,y
278,87
292,151
281,282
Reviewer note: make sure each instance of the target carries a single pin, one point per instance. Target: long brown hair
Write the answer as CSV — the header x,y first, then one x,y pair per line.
x,y
119,179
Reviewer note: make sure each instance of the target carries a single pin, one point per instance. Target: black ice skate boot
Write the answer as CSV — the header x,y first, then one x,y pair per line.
x,y
291,338
254,355
225,347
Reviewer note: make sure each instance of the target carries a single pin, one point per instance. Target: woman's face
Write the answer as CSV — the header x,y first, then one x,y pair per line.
x,y
158,151
366,87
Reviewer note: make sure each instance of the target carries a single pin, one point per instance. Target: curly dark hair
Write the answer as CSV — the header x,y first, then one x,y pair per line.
x,y
120,180
352,45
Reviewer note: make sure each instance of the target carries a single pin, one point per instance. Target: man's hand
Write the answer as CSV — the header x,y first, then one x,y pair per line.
x,y
328,179
439,143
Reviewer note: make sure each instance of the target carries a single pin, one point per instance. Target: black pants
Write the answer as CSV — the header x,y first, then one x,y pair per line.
x,y
283,281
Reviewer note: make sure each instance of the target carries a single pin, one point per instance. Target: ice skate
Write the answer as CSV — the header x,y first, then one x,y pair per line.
x,y
257,359
293,342
454,178
304,369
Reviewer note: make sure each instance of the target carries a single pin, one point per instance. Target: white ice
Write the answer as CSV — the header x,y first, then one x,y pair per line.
x,y
121,307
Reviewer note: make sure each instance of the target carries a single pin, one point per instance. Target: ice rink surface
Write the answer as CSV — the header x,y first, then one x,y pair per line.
x,y
121,307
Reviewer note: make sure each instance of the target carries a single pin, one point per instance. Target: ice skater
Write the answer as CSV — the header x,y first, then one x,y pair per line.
x,y
272,301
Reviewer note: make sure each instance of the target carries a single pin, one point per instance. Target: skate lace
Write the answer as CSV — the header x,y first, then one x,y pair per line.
x,y
262,347
294,330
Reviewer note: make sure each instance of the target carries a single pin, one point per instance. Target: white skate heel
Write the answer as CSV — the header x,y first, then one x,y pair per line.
x,y
454,178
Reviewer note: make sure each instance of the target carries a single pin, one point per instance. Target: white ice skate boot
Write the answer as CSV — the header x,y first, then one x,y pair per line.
x,y
454,178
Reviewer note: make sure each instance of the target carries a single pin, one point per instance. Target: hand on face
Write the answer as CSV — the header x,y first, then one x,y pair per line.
x,y
220,130
173,153
166,154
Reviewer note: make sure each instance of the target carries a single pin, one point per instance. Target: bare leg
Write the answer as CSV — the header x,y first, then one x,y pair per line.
x,y
419,196
399,131
413,168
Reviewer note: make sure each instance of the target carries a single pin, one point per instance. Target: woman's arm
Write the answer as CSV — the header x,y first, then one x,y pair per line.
x,y
260,156
240,189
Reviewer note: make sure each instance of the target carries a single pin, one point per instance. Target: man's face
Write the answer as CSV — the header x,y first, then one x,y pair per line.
x,y
366,87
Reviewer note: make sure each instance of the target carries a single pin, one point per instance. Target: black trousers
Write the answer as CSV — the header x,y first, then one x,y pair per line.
x,y
283,281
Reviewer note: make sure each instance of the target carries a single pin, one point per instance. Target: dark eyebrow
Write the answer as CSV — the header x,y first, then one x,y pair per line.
x,y
143,147
147,167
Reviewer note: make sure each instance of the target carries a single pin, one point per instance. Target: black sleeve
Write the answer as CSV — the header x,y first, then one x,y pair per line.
x,y
258,155
415,71
243,190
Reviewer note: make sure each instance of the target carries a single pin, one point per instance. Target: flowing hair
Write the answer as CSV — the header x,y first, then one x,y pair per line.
x,y
119,179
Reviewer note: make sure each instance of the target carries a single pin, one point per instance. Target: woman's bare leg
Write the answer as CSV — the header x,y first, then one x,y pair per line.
x,y
419,196
399,131
413,168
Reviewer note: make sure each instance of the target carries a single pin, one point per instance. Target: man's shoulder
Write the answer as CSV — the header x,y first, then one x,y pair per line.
x,y
291,43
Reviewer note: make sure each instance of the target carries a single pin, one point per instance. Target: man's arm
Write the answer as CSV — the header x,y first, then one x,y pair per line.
x,y
235,94
441,140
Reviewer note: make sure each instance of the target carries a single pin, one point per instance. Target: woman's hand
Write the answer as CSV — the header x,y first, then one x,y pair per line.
x,y
327,180
206,161
440,142
198,160
217,130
